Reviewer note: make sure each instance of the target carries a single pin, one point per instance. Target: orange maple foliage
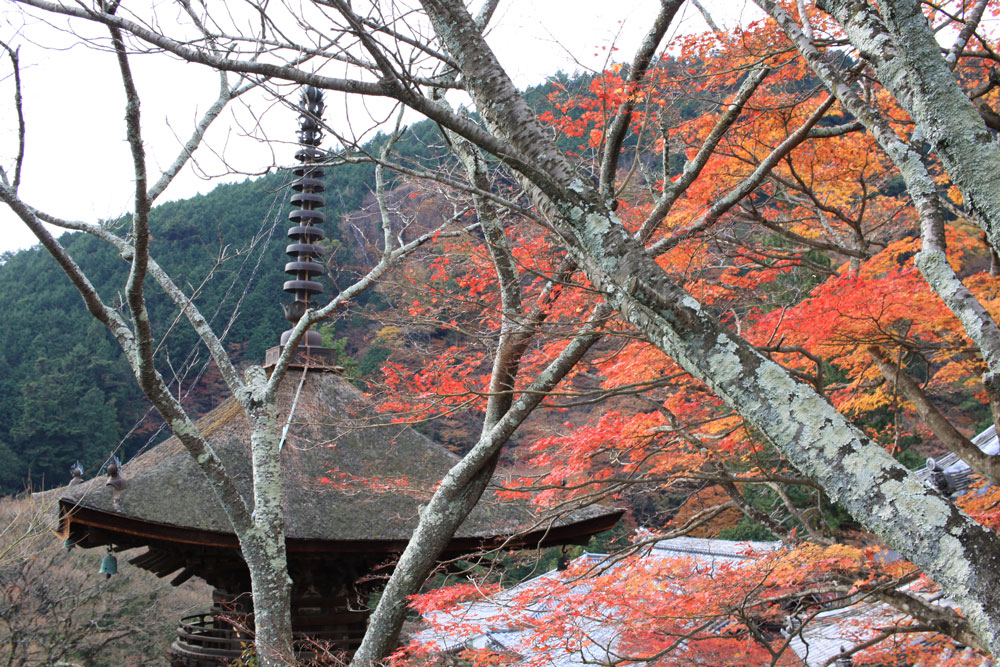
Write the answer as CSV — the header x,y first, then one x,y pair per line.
x,y
814,266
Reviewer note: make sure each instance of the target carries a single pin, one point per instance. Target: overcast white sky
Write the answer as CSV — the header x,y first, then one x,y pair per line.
x,y
77,163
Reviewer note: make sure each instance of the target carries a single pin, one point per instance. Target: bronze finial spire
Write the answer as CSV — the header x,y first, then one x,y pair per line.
x,y
307,199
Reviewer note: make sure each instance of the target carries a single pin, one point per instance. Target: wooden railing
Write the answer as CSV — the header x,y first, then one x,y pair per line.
x,y
211,640
204,641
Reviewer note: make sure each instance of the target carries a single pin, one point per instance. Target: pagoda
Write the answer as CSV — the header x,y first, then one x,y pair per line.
x,y
352,490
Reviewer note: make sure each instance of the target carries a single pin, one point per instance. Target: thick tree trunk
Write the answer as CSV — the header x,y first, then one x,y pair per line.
x,y
271,590
263,545
439,520
958,553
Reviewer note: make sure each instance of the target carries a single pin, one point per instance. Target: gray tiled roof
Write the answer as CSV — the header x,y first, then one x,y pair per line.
x,y
469,625
950,474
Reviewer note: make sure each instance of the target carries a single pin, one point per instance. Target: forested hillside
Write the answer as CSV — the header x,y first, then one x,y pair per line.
x,y
65,392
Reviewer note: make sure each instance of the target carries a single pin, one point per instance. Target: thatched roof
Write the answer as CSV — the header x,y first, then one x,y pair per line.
x,y
350,484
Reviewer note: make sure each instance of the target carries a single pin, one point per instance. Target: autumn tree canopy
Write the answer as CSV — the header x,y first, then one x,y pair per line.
x,y
814,267
761,259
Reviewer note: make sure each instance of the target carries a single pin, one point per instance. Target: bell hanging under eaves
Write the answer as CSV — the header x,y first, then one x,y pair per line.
x,y
109,565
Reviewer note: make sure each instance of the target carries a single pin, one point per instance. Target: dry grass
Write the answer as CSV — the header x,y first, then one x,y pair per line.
x,y
55,609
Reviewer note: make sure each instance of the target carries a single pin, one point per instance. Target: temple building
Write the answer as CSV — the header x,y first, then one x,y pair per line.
x,y
353,486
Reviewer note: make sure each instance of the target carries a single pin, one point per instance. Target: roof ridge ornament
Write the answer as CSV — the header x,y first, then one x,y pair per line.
x,y
76,473
306,216
305,234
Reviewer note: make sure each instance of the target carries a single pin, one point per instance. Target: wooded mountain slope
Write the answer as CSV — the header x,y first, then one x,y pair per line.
x,y
65,392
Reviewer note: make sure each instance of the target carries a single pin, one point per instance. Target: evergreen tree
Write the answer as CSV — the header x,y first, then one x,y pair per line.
x,y
65,416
